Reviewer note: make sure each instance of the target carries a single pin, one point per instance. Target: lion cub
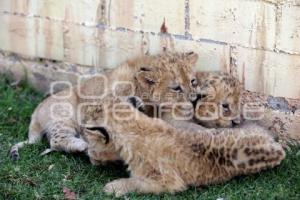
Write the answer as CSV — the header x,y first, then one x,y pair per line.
x,y
61,117
220,104
161,158
218,100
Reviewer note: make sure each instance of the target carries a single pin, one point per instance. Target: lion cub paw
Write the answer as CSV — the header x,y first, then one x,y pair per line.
x,y
118,187
81,145
14,155
136,102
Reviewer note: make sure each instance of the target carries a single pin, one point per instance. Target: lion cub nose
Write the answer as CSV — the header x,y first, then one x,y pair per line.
x,y
225,107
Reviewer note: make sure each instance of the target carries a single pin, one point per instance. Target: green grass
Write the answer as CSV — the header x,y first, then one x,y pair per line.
x,y
36,177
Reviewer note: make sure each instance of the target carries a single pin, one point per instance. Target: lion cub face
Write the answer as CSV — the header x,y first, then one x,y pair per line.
x,y
218,100
170,77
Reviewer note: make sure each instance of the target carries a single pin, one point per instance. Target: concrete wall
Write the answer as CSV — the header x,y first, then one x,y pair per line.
x,y
255,40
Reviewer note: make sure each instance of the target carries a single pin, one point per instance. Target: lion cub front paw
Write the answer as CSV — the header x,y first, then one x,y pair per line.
x,y
14,155
77,145
136,102
118,187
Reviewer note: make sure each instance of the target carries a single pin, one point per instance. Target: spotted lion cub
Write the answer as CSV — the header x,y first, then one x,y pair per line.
x,y
218,100
161,158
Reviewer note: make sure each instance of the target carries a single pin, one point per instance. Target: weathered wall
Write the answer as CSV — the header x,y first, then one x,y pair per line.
x,y
256,40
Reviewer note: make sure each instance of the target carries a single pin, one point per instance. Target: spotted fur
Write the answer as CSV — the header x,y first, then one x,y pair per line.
x,y
161,158
218,100
149,76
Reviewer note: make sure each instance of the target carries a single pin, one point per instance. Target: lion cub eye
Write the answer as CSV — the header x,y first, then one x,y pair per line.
x,y
194,82
225,107
177,88
202,96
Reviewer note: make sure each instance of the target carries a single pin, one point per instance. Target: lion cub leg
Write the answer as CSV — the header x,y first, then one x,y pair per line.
x,y
123,186
68,143
143,183
64,137
34,135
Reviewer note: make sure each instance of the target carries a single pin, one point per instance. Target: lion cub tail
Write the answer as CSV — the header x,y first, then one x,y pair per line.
x,y
35,135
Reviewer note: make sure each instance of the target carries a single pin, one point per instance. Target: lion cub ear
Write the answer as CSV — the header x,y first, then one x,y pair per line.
x,y
146,78
95,133
192,57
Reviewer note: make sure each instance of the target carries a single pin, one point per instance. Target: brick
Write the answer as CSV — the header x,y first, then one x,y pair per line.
x,y
247,23
51,8
212,57
272,1
108,48
268,72
98,47
87,12
148,16
288,39
31,36
132,14
291,2
15,6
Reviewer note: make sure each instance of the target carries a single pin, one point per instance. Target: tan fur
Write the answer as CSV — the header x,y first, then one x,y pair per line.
x,y
99,151
215,90
150,77
219,88
161,158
